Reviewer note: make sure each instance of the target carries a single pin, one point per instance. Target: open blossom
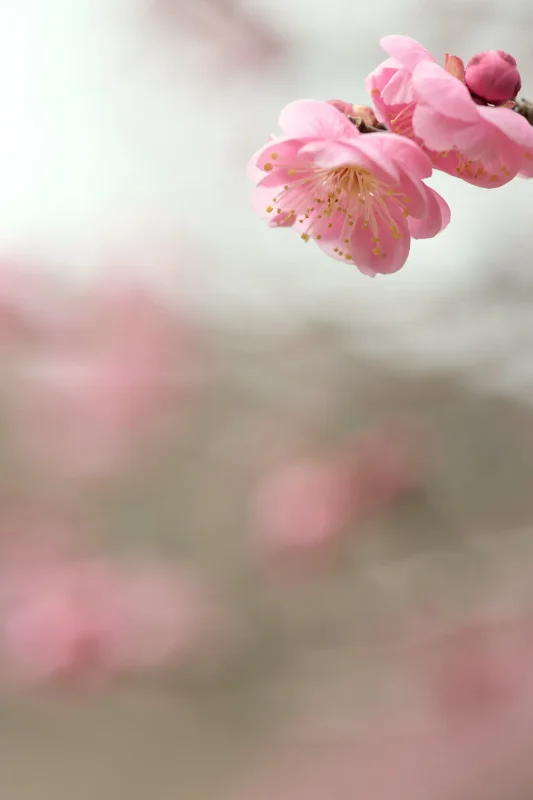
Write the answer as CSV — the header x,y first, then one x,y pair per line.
x,y
361,197
484,145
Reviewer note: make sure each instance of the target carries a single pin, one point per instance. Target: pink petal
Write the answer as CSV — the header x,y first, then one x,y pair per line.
x,y
407,51
361,247
511,124
316,120
361,154
437,218
484,174
399,90
252,170
270,187
404,150
441,133
439,90
526,165
376,82
273,155
416,196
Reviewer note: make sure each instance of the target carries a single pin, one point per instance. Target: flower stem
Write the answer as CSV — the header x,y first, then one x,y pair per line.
x,y
364,127
525,109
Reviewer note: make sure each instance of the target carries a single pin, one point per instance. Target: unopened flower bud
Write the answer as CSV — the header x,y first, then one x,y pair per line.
x,y
493,76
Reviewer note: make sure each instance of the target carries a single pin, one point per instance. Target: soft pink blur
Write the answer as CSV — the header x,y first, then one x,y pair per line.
x,y
103,381
86,619
30,301
303,509
467,730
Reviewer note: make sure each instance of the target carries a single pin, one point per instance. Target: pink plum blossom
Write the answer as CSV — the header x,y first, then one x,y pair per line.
x,y
415,97
360,197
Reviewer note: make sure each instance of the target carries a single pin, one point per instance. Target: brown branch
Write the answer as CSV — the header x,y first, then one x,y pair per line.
x,y
364,127
525,109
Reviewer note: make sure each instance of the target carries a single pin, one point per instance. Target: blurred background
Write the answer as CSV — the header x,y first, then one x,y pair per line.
x,y
266,524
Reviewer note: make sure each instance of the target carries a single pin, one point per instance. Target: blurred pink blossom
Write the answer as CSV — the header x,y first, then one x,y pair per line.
x,y
477,669
86,619
416,98
305,507
467,731
103,381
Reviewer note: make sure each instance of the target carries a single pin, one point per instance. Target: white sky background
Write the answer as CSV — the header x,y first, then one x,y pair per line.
x,y
118,137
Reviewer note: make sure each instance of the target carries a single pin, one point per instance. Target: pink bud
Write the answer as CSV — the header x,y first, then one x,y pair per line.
x,y
493,76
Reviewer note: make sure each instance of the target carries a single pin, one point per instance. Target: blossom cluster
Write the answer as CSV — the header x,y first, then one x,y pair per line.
x,y
352,177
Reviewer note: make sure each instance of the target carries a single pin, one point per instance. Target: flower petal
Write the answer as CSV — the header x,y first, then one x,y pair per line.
x,y
407,51
437,217
268,204
362,249
332,155
283,151
483,173
376,82
441,91
526,165
511,124
399,90
414,199
404,150
315,120
441,133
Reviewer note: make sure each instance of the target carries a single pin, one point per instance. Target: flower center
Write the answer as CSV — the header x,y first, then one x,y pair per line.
x,y
333,203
